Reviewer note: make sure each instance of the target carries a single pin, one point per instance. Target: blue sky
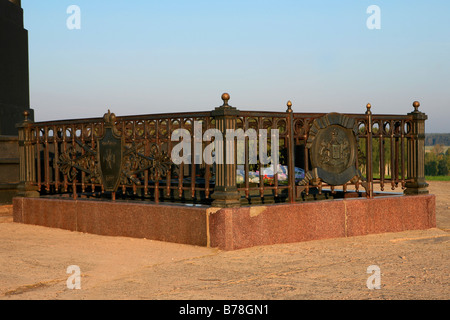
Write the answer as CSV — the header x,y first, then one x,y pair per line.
x,y
139,57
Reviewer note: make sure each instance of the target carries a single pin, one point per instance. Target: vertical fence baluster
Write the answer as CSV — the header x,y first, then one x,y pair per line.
x,y
402,154
74,182
38,157
56,157
260,165
193,165
382,162
46,160
83,152
169,151
369,160
306,153
247,159
275,169
393,156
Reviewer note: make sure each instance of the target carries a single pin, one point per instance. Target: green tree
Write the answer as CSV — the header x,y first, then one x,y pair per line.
x,y
431,164
431,168
447,158
442,167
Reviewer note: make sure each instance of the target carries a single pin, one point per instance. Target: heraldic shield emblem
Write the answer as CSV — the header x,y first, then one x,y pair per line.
x,y
110,154
333,149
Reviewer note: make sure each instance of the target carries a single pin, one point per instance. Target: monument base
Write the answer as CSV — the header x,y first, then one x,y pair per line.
x,y
232,228
9,168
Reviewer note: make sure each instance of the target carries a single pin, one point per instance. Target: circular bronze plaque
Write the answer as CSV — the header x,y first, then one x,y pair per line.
x,y
334,151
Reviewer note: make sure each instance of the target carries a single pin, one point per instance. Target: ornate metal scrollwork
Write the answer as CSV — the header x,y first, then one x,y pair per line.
x,y
71,161
135,163
113,162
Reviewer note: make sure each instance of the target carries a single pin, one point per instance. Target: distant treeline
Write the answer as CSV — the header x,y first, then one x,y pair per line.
x,y
437,162
432,139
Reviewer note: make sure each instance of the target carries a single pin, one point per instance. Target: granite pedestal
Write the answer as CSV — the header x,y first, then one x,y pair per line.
x,y
232,228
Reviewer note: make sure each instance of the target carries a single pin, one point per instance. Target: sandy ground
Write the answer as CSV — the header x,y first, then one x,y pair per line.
x,y
414,265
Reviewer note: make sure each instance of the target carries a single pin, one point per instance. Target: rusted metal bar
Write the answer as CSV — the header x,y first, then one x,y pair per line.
x,y
246,165
393,157
369,160
55,159
147,153
39,165
169,148
381,152
93,147
74,181
193,165
66,180
260,164
83,153
402,155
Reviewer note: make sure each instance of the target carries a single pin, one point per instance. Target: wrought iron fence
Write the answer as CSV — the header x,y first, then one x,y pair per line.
x,y
131,157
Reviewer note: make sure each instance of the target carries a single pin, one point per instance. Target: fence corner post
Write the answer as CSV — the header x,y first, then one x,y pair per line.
x,y
226,194
416,154
27,167
291,153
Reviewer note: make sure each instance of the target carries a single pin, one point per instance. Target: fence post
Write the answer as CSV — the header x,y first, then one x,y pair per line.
x,y
226,194
369,156
27,169
416,154
291,153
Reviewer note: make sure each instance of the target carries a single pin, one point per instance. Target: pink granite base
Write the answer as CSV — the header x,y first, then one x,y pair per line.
x,y
178,224
233,228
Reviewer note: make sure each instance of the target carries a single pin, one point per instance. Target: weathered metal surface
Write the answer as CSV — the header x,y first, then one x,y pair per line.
x,y
332,143
110,155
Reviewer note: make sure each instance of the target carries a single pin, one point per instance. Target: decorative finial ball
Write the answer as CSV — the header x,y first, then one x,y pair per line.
x,y
369,106
225,97
289,104
26,114
416,105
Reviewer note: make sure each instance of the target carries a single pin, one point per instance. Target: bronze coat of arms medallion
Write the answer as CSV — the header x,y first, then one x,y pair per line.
x,y
333,149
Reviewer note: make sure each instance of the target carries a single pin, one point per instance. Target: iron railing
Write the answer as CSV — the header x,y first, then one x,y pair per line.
x,y
62,157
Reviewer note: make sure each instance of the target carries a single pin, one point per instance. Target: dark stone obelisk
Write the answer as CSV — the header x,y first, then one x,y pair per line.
x,y
14,71
14,94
